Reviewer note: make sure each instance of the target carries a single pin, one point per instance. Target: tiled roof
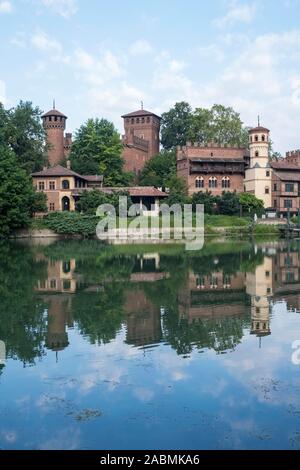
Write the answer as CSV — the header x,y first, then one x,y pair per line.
x,y
259,129
60,170
139,113
215,160
136,191
54,112
288,176
283,165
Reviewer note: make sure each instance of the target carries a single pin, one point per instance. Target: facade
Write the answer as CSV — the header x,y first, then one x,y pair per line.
x,y
212,167
258,177
63,186
141,139
59,144
286,187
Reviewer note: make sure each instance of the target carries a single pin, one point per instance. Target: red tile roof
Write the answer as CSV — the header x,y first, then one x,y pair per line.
x,y
286,176
54,112
283,165
140,112
259,129
136,191
60,170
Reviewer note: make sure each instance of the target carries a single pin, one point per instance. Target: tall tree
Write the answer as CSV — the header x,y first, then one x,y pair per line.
x,y
97,150
23,131
17,195
159,169
175,125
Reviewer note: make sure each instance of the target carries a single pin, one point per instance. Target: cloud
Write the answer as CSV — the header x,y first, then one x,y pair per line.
x,y
140,48
237,13
50,46
5,6
64,8
2,92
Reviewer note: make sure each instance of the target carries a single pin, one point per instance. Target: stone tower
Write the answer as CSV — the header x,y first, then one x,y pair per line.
x,y
141,139
54,123
258,177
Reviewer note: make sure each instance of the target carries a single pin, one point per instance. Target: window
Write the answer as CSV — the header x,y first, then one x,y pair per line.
x,y
53,284
257,311
200,281
143,120
66,284
275,203
257,324
256,138
290,277
50,118
65,184
257,154
289,188
148,119
41,186
268,290
212,154
288,203
199,183
55,118
275,187
267,190
51,207
263,138
137,120
267,174
226,183
128,120
267,273
52,185
132,121
213,183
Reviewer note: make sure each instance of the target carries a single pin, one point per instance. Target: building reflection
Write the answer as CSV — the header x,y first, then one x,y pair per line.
x,y
59,318
60,277
2,354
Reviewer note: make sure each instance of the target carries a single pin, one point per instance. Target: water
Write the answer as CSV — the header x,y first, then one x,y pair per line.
x,y
149,347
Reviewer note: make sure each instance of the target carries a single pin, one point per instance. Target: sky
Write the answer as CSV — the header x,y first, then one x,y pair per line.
x,y
101,58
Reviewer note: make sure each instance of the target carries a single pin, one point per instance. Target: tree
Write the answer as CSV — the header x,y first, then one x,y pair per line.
x,y
205,198
228,204
97,150
17,195
23,131
177,191
175,125
159,169
91,200
251,204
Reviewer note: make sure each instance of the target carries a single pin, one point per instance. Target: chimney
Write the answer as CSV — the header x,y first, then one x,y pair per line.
x,y
68,164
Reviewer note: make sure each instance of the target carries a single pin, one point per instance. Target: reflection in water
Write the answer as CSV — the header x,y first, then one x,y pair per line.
x,y
123,299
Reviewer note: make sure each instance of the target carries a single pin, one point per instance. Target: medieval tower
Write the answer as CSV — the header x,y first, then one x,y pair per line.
x,y
141,139
258,176
54,123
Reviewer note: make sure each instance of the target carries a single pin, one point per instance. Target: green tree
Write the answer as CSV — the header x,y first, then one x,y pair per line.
x,y
90,200
228,204
97,150
251,204
175,125
177,191
205,198
159,169
23,131
17,195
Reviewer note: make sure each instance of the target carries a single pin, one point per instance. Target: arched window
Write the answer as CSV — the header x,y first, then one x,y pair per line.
x,y
213,182
132,121
65,184
263,138
199,182
257,153
65,203
226,182
256,138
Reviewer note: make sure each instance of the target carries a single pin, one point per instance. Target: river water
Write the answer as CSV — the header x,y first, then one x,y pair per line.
x,y
150,347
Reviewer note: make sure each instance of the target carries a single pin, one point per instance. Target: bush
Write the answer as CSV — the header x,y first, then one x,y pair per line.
x,y
207,199
71,223
91,200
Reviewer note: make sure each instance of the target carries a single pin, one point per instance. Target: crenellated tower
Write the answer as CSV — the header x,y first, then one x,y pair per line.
x,y
54,123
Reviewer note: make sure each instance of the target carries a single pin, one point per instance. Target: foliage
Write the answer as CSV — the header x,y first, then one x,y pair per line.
x,y
71,223
175,125
22,131
219,124
17,195
177,191
159,169
97,150
251,204
39,203
91,200
228,204
205,198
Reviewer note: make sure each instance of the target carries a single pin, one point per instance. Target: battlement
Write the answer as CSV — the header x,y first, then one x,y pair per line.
x,y
293,153
208,145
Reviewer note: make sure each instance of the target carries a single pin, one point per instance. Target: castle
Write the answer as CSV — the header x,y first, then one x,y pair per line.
x,y
212,167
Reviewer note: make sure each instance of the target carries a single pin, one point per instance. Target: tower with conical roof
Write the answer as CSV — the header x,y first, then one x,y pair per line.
x,y
54,123
258,177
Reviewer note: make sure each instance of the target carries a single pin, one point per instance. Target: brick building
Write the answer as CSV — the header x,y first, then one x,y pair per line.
x,y
54,123
212,167
286,187
141,139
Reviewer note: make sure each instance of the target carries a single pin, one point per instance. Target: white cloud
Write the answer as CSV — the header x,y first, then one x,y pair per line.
x,y
237,13
2,92
64,8
5,6
50,46
19,40
140,48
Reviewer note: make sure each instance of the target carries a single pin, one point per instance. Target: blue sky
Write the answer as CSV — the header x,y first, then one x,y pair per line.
x,y
100,58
